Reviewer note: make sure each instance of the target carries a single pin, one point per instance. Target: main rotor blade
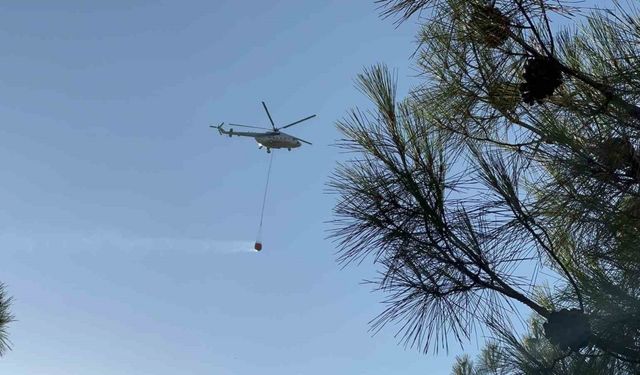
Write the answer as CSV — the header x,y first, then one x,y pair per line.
x,y
269,114
297,122
247,126
302,140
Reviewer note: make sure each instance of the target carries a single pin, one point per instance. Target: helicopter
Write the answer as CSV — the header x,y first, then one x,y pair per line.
x,y
270,139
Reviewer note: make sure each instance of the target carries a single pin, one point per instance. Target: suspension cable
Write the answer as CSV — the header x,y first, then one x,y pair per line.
x,y
264,198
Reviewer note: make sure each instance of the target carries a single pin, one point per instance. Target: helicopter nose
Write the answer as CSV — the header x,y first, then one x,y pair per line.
x,y
298,144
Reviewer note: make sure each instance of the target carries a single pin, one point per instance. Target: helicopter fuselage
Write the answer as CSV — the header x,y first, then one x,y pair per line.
x,y
277,140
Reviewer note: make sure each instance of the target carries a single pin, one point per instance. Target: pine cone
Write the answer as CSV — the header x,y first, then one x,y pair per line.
x,y
568,329
490,26
616,153
542,76
503,96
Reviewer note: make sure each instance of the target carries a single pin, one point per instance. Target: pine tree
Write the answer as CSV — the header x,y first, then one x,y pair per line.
x,y
5,318
533,354
518,154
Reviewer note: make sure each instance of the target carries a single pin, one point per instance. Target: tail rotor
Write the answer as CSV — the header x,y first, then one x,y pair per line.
x,y
219,127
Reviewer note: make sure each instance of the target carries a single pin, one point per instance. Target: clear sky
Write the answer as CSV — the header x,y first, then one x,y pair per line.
x,y
125,220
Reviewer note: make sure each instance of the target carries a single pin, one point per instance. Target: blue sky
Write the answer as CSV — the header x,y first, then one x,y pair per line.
x,y
125,219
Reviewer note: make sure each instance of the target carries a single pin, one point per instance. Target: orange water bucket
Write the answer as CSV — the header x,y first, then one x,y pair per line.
x,y
258,246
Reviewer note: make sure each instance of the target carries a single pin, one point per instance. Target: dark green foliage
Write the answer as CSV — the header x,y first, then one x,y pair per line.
x,y
533,354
